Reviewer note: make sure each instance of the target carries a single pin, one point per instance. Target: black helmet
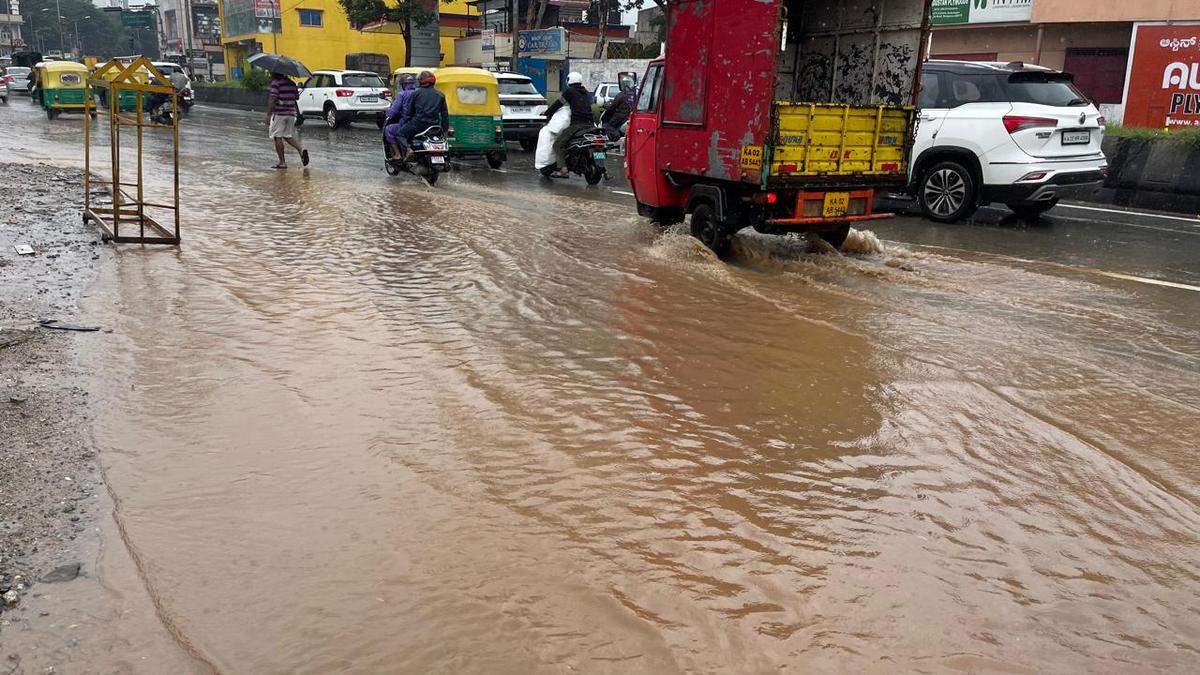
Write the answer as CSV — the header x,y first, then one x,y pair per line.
x,y
407,80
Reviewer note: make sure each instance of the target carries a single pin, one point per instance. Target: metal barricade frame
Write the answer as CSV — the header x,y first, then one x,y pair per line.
x,y
130,210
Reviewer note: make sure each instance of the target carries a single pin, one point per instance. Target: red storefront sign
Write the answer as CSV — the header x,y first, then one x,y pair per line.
x,y
1163,87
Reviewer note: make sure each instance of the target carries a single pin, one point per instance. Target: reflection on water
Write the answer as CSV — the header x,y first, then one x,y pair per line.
x,y
362,426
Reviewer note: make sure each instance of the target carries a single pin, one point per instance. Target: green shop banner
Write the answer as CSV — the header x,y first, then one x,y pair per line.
x,y
958,12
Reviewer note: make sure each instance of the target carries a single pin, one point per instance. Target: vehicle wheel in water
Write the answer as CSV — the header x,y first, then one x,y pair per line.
x,y
947,192
836,238
593,173
432,177
299,120
331,118
495,160
709,231
379,121
51,113
1032,210
528,144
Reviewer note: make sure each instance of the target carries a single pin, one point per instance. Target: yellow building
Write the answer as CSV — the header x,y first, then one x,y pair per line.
x,y
317,33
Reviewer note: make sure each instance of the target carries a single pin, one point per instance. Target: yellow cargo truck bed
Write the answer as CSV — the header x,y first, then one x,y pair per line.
x,y
825,140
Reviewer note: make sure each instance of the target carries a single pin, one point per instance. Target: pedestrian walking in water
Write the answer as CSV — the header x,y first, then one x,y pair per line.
x,y
281,118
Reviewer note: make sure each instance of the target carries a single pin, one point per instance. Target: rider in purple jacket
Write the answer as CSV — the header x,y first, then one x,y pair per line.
x,y
397,145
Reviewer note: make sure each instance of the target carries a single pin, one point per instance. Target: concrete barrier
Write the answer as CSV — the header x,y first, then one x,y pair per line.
x,y
236,97
1150,173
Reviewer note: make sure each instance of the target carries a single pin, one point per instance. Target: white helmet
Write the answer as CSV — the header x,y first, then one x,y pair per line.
x,y
574,78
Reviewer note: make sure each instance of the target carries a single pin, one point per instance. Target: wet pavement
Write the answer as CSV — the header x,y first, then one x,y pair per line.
x,y
358,425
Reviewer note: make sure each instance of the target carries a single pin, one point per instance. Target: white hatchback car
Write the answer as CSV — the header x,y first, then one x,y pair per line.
x,y
343,96
1019,135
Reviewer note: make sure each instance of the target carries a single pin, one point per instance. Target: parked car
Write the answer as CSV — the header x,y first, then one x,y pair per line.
x,y
17,78
522,108
3,86
344,96
1019,135
605,92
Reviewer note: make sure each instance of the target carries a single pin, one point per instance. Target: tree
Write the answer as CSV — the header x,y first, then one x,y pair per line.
x,y
406,13
99,35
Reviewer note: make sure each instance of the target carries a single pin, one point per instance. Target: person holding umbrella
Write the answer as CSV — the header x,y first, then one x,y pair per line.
x,y
281,117
281,103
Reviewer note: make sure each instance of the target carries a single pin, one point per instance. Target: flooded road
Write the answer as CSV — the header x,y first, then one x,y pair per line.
x,y
356,425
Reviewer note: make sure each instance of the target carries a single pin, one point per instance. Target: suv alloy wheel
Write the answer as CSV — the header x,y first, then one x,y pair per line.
x,y
332,120
948,192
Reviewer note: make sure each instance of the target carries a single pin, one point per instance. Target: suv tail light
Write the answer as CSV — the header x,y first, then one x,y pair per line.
x,y
1015,123
1102,121
343,93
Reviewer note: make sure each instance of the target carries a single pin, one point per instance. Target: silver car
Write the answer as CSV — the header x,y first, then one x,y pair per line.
x,y
17,78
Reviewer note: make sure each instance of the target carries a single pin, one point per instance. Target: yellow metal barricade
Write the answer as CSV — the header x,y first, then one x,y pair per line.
x,y
118,82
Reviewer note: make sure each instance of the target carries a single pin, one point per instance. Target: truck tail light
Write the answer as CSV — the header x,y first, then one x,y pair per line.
x,y
343,93
1015,123
768,198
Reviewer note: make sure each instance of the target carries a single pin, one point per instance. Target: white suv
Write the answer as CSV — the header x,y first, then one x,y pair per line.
x,y
1020,135
344,96
523,108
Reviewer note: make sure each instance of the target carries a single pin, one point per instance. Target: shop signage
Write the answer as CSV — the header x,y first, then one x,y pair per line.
x,y
487,40
544,41
266,9
1162,89
425,39
958,12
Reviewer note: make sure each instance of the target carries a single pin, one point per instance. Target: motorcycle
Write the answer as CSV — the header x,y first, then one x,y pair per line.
x,y
430,156
585,153
162,112
187,99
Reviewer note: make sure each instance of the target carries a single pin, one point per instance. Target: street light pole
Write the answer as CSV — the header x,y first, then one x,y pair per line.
x,y
58,10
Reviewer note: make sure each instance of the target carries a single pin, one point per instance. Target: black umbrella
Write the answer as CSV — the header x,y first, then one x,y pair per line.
x,y
278,63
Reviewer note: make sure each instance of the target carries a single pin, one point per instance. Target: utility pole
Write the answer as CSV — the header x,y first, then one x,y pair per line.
x,y
58,12
514,22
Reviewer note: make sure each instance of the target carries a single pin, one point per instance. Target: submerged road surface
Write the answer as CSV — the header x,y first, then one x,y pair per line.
x,y
358,425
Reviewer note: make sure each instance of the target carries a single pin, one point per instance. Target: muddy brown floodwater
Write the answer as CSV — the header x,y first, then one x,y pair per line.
x,y
358,426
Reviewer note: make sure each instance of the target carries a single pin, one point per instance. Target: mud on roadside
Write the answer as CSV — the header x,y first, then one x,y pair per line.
x,y
50,480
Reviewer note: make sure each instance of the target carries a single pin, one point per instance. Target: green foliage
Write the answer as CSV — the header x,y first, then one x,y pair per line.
x,y
1189,137
256,80
362,12
101,34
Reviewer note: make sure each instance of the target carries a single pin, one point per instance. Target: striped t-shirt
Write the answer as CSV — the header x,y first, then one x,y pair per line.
x,y
285,93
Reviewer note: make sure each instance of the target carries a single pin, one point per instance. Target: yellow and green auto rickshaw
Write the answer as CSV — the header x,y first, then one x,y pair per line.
x,y
394,78
476,125
63,86
128,101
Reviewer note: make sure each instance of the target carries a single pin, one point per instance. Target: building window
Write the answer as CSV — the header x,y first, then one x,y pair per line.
x,y
310,17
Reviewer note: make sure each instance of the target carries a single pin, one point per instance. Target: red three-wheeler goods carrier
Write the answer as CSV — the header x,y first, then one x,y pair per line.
x,y
781,115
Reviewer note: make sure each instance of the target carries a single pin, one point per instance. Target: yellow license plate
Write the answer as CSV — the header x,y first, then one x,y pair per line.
x,y
837,204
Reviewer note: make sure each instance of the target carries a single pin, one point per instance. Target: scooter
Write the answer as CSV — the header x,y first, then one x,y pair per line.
x,y
430,156
162,113
187,99
585,153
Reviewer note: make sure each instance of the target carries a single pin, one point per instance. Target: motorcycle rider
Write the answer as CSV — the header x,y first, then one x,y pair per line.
x,y
397,116
617,113
426,108
576,98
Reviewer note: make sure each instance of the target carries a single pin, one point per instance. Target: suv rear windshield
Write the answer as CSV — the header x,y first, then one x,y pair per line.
x,y
17,70
363,81
512,87
1056,89
948,89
